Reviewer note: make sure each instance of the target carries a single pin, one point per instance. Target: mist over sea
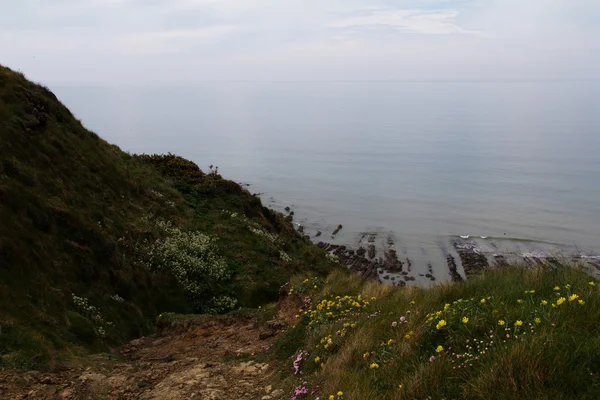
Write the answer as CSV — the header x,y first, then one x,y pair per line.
x,y
417,164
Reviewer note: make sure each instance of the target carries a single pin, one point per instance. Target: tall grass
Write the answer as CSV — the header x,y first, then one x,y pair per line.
x,y
512,333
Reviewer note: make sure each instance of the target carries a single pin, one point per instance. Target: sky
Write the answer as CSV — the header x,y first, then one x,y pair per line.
x,y
142,41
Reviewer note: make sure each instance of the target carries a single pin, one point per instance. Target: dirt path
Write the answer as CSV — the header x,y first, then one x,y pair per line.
x,y
203,358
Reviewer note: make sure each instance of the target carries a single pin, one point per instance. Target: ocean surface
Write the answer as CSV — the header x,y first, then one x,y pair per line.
x,y
416,164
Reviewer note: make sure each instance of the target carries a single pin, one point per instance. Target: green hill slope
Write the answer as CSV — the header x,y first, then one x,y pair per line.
x,y
94,242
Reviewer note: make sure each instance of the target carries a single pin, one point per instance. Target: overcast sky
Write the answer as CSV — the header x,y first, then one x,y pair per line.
x,y
140,41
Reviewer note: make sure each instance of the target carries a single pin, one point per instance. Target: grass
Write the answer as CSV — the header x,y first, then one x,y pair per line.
x,y
78,221
512,333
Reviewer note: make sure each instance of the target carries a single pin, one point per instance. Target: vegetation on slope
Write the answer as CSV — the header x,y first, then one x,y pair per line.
x,y
512,333
95,243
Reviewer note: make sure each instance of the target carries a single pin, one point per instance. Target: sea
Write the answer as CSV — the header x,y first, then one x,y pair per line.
x,y
509,167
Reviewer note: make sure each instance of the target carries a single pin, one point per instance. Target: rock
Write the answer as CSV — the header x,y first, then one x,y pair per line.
x,y
289,218
276,324
268,389
371,251
287,209
266,334
301,229
277,393
66,394
454,275
361,252
339,228
319,233
291,213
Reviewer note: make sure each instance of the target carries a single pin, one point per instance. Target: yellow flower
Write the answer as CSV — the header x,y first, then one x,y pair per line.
x,y
544,303
400,386
482,301
439,349
501,322
322,365
441,324
582,302
592,283
520,301
538,321
331,397
519,323
315,286
557,288
317,359
446,306
560,301
366,355
340,393
573,297
412,303
390,342
374,366
465,320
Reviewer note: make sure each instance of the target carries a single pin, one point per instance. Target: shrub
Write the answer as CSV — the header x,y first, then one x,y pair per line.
x,y
192,258
81,327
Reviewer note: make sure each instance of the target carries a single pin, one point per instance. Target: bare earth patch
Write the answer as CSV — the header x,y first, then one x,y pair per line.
x,y
185,360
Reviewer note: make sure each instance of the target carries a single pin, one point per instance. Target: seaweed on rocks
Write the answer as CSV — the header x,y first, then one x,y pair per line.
x,y
454,275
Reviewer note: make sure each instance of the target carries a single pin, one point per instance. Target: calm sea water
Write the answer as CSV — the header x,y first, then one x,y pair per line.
x,y
418,162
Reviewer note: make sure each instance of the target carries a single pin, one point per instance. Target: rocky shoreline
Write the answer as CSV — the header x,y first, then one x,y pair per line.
x,y
374,257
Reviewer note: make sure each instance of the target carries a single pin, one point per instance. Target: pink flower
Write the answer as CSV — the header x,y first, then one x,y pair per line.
x,y
394,324
432,359
402,319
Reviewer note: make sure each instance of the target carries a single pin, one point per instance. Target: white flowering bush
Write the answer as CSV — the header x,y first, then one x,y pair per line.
x,y
255,228
284,256
193,259
332,257
84,307
117,298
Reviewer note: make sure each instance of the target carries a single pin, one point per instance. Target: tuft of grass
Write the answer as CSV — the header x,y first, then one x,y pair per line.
x,y
505,334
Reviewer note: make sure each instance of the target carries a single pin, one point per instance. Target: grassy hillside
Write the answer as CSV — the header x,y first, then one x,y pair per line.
x,y
512,333
94,242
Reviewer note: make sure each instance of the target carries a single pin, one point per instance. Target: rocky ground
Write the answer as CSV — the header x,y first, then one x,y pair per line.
x,y
201,358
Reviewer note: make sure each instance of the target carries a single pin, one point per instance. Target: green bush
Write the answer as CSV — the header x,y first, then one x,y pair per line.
x,y
82,328
192,258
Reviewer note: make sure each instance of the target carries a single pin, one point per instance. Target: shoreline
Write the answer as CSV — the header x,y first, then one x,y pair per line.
x,y
374,257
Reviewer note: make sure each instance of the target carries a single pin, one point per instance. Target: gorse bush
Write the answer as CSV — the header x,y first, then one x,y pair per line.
x,y
192,259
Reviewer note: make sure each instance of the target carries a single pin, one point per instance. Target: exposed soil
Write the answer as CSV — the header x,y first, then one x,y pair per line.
x,y
202,358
